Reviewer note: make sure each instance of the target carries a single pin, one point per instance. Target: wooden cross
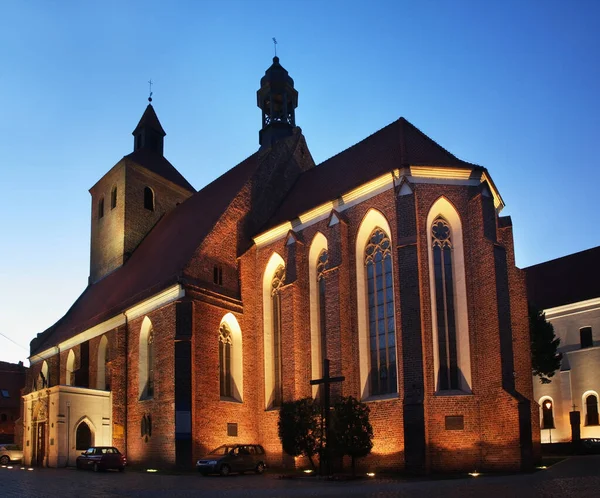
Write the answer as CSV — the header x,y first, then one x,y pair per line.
x,y
325,463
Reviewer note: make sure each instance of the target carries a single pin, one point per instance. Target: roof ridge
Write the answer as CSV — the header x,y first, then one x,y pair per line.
x,y
427,137
566,256
360,141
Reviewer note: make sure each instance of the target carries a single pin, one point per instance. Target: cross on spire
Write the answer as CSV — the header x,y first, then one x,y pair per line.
x,y
150,90
275,46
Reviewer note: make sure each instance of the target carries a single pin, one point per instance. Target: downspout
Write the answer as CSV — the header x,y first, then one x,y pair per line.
x,y
126,424
68,432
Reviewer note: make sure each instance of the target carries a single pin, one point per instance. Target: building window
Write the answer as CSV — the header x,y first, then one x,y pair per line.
x,y
585,335
225,343
318,263
591,406
218,275
70,373
101,208
113,198
150,346
148,199
102,379
380,298
146,360
3,417
5,393
321,267
44,381
444,299
276,284
547,414
231,368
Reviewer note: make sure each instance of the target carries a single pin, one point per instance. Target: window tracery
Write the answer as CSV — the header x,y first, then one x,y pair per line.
x,y
380,295
225,345
322,262
276,283
441,241
150,349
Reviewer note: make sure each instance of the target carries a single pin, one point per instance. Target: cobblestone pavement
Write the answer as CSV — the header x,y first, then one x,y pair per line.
x,y
575,477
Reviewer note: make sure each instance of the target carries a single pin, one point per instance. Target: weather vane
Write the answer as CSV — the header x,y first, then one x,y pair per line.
x,y
150,90
275,46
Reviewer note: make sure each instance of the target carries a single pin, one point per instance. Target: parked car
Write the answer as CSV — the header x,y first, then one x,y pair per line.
x,y
591,445
101,458
233,458
10,453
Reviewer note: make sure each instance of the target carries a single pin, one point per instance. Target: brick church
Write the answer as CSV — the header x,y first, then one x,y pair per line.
x,y
206,309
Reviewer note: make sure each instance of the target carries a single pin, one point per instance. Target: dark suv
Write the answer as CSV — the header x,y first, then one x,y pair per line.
x,y
233,458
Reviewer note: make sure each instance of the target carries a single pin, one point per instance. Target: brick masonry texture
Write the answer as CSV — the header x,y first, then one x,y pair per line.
x,y
409,426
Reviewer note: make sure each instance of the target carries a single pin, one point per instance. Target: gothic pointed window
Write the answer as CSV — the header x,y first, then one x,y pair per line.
x,y
591,410
441,238
321,267
150,375
70,373
225,344
276,284
146,360
380,299
102,376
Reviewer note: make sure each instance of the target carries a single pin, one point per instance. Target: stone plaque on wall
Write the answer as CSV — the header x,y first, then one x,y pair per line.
x,y
455,423
118,430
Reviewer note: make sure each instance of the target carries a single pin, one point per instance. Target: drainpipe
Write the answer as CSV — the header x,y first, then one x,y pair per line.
x,y
68,432
126,424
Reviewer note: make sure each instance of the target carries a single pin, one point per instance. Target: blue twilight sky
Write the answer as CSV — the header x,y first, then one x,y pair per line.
x,y
510,85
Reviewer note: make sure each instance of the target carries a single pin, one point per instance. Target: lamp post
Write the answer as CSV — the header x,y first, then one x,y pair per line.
x,y
548,405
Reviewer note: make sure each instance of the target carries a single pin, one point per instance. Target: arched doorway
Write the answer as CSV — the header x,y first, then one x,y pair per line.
x,y
83,437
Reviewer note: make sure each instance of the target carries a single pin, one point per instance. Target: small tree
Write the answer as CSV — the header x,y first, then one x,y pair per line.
x,y
545,358
352,431
298,428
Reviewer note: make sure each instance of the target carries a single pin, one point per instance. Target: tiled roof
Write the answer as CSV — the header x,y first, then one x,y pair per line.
x,y
157,262
398,145
156,163
565,280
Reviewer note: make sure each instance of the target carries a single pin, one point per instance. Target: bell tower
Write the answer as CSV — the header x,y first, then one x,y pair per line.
x,y
132,197
278,100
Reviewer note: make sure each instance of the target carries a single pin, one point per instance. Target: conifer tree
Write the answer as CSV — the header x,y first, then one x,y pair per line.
x,y
545,358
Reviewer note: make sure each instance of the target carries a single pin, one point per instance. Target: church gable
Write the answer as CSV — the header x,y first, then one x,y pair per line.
x,y
229,235
386,265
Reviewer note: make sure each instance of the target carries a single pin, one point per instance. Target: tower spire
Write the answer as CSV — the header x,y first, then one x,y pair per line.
x,y
278,100
149,133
